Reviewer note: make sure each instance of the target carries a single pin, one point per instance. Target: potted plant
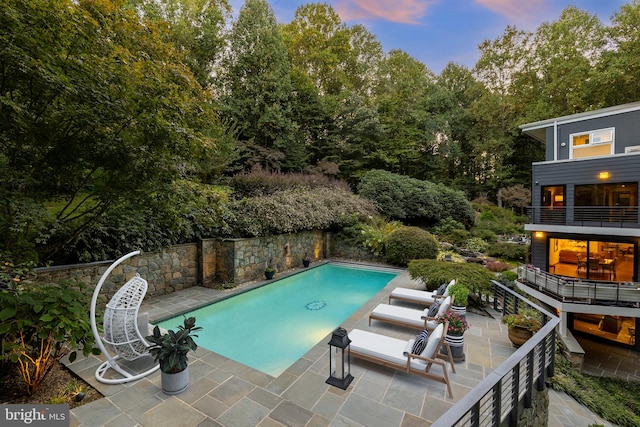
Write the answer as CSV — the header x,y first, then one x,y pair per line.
x,y
269,271
306,260
460,294
522,326
455,334
171,349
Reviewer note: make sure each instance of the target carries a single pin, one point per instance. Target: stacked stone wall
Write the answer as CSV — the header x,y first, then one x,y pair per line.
x,y
212,262
167,271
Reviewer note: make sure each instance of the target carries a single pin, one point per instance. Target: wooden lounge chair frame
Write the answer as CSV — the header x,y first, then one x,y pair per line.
x,y
439,360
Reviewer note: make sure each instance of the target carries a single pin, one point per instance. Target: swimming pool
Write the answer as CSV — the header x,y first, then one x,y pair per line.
x,y
271,327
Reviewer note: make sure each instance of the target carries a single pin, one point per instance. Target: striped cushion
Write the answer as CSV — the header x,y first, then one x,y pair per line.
x,y
441,289
420,342
434,309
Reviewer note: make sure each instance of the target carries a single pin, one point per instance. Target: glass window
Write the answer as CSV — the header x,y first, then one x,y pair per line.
x,y
593,143
592,259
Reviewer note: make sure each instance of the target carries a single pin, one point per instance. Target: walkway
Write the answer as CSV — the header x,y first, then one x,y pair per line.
x,y
225,393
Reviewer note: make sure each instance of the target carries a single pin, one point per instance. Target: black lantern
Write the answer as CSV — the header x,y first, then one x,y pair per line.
x,y
339,360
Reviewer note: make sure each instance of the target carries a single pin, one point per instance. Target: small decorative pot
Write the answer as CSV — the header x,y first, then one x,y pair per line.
x,y
519,335
306,262
269,274
175,383
456,344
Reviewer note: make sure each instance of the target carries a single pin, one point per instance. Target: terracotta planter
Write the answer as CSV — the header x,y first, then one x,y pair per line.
x,y
519,335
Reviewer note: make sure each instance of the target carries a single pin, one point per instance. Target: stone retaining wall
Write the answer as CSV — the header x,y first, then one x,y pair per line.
x,y
172,269
212,261
538,414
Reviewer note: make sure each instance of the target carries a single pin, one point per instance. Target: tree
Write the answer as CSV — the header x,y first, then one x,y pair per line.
x,y
196,27
618,72
97,112
257,91
401,95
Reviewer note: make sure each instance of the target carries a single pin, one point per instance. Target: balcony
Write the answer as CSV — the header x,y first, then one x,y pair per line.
x,y
585,216
565,289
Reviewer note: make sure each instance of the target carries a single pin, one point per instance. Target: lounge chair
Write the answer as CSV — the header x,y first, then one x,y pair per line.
x,y
403,316
124,328
396,353
417,296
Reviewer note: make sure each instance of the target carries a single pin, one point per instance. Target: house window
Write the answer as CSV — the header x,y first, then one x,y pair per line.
x,y
593,143
592,259
616,202
552,209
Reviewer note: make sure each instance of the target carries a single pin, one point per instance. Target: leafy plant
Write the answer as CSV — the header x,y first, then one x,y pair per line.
x,y
476,244
614,399
40,323
460,294
457,324
526,318
171,349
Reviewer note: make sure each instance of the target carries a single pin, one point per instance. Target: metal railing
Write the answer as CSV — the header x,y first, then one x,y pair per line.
x,y
566,289
505,392
602,216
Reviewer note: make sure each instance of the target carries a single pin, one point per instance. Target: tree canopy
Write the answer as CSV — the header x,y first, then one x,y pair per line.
x,y
113,111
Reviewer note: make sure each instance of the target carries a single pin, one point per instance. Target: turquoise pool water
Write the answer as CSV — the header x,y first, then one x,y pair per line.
x,y
271,327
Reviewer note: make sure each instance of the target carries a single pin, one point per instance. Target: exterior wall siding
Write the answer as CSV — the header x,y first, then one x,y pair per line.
x,y
627,132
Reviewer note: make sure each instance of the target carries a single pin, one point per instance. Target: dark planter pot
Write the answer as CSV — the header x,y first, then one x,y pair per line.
x,y
456,344
269,274
306,262
519,335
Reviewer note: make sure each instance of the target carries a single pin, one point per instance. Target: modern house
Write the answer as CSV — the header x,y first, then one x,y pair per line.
x,y
585,224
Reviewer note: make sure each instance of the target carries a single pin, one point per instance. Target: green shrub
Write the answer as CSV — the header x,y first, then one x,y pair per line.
x,y
476,244
407,243
486,235
403,198
294,210
433,273
511,251
457,237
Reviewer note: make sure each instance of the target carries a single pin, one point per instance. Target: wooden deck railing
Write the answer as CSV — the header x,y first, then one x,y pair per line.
x,y
502,395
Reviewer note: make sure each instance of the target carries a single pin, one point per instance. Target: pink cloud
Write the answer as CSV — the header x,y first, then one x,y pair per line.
x,y
516,10
401,11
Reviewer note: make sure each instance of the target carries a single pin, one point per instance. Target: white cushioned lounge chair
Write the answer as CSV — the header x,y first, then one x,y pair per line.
x,y
403,316
418,296
124,328
396,353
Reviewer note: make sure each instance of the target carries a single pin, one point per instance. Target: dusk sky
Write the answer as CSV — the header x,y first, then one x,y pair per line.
x,y
437,32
